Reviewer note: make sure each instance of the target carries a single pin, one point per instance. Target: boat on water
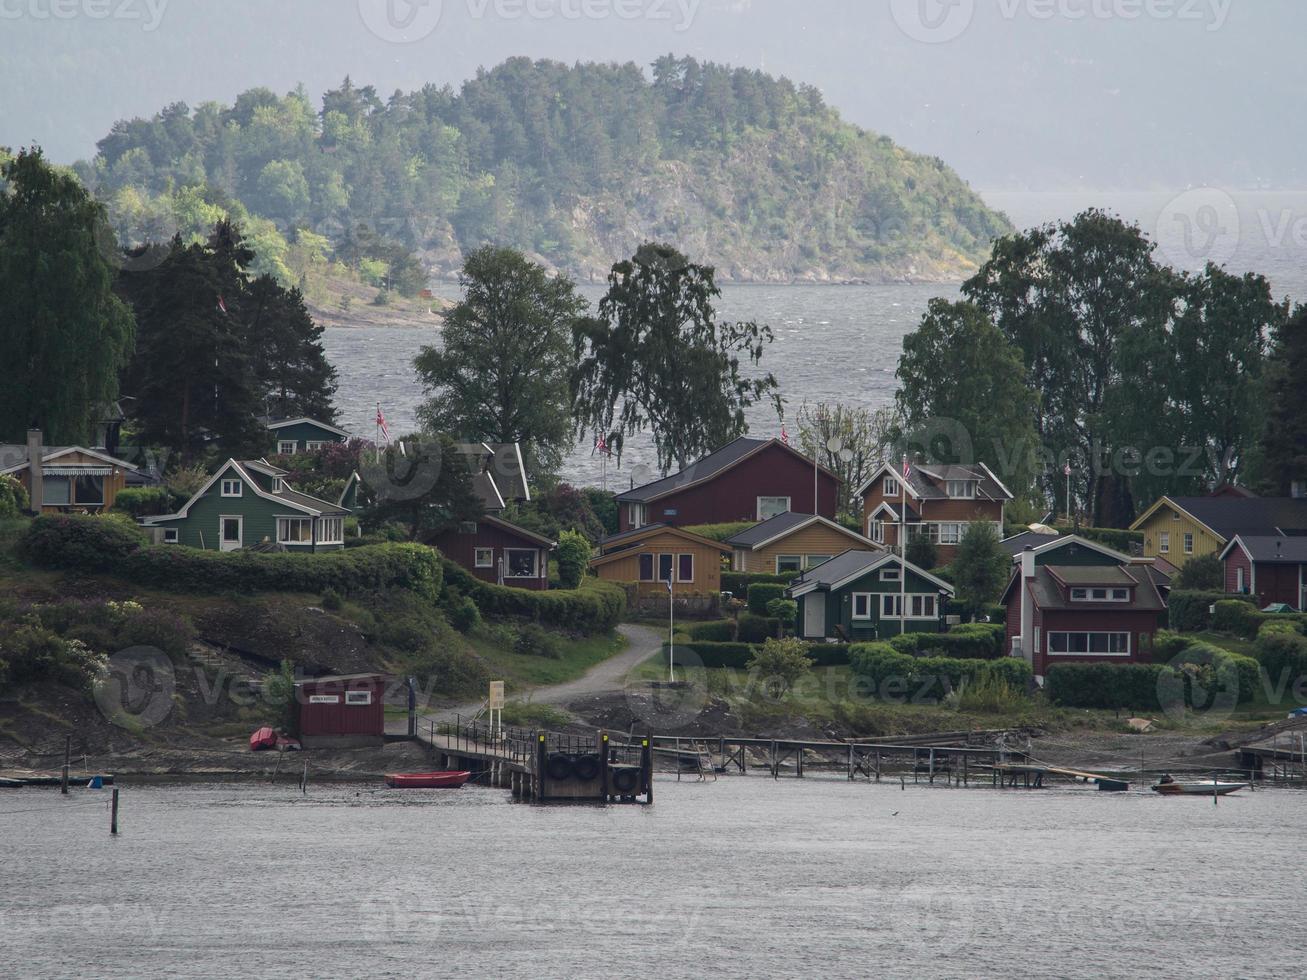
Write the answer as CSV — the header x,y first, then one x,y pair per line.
x,y
1200,787
427,780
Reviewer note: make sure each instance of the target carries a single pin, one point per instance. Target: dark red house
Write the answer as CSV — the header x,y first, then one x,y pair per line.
x,y
346,711
1267,569
496,551
746,480
1075,601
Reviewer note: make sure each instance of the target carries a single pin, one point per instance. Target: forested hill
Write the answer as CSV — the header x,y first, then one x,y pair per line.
x,y
576,165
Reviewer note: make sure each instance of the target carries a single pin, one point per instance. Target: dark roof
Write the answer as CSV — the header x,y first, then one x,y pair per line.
x,y
521,532
1018,542
987,488
709,466
1109,575
1050,595
780,524
1273,549
633,532
498,476
1260,516
842,566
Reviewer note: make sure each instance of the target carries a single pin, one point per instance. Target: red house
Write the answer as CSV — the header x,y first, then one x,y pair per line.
x,y
496,551
746,480
1267,568
1075,601
341,712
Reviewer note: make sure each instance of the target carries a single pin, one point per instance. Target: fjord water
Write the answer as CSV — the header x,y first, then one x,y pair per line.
x,y
744,877
840,343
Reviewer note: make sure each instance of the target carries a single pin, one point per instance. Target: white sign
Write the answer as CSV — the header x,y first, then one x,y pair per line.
x,y
496,695
324,699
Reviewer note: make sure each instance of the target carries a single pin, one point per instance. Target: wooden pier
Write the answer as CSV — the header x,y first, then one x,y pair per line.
x,y
543,767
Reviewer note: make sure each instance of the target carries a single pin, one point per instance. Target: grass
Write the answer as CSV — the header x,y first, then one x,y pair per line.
x,y
524,714
522,672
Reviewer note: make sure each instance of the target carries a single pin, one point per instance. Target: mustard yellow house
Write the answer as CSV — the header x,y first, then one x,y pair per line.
x,y
1178,529
793,543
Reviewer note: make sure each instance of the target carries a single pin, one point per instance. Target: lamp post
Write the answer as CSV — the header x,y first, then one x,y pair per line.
x,y
671,632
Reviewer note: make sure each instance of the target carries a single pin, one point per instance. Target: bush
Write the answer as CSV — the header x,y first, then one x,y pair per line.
x,y
1200,666
332,601
1168,645
464,615
595,607
922,552
143,501
573,558
784,611
761,593
1238,618
785,661
1282,653
13,498
970,641
929,678
715,631
536,641
1188,611
1203,573
79,543
719,532
1118,539
755,629
33,654
737,583
735,655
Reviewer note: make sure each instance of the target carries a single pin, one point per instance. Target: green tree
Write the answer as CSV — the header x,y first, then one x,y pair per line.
x,y
1202,573
64,333
656,359
781,663
292,368
501,373
921,551
964,395
981,569
1284,438
849,441
420,483
573,558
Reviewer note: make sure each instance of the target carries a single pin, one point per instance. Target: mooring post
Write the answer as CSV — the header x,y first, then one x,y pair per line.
x,y
646,767
878,765
603,766
932,766
798,766
850,762
542,761
68,752
775,762
113,813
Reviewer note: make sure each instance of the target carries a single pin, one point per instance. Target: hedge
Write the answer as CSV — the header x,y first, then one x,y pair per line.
x,y
715,631
1279,649
1237,617
761,593
737,583
719,532
970,641
755,629
1103,685
1117,539
595,607
738,655
77,542
1188,611
929,678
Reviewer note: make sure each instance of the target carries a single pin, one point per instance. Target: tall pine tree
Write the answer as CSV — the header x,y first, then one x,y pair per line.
x,y
1284,440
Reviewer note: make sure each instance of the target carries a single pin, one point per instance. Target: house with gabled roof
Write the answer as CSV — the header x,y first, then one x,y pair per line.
x,y
302,435
1071,600
656,554
498,471
745,480
868,594
938,502
497,551
249,503
1268,568
69,478
1181,528
792,542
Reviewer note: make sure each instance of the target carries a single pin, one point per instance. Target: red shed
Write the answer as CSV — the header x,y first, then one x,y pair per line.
x,y
341,712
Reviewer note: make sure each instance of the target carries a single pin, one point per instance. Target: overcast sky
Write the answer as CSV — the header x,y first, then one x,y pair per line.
x,y
1015,94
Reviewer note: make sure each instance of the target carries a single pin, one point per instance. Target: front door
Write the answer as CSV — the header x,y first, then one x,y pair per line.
x,y
231,532
814,616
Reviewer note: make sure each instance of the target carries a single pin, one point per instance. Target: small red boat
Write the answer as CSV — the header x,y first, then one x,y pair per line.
x,y
427,780
265,738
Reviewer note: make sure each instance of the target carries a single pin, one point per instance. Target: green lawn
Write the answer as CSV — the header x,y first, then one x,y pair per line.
x,y
522,672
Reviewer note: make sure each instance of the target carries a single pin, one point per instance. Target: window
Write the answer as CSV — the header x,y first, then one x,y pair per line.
x,y
949,534
664,568
891,488
1238,580
1120,595
89,490
294,530
170,535
685,568
484,558
919,606
1175,515
890,574
57,490
467,527
520,562
1100,595
358,697
1079,595
769,507
878,531
671,512
788,563
277,485
646,568
1101,644
331,530
922,606
313,445
232,488
286,447
812,561
861,605
1188,543
890,606
961,489
1298,489
1164,542
635,515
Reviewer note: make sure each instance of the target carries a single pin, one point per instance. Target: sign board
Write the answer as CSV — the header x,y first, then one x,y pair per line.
x,y
324,699
496,696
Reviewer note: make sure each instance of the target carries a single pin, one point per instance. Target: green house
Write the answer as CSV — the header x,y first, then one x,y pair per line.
x,y
249,504
302,435
862,595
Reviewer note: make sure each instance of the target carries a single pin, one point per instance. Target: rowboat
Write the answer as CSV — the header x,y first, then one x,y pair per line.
x,y
427,780
263,739
1208,787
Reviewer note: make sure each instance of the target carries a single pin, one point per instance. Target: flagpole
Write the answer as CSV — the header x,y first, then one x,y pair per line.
x,y
903,547
377,443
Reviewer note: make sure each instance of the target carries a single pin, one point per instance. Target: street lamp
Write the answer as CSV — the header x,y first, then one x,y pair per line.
x,y
671,632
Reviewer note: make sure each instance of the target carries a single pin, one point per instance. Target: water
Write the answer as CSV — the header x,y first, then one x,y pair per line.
x,y
842,343
745,877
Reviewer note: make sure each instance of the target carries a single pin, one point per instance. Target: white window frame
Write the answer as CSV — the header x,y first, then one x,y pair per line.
x,y
313,445
877,530
677,567
865,599
635,514
358,698
488,554
890,605
786,509
1298,489
890,488
813,561
954,537
798,563
283,529
278,485
1129,643
535,563
1188,542
283,443
960,489
1164,542
891,574
171,535
232,488
1239,580
331,530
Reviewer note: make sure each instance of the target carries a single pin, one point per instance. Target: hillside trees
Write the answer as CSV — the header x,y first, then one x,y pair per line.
x,y
1284,437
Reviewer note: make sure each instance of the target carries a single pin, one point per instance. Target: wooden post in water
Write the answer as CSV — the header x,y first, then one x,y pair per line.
x,y
646,767
68,751
850,762
604,790
542,760
113,813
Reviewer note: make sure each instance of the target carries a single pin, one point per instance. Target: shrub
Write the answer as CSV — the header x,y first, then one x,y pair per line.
x,y
735,655
279,693
573,558
988,693
1238,618
332,600
784,611
34,653
464,615
761,593
921,552
783,661
737,583
1188,611
80,543
755,629
970,641
143,501
595,607
1282,653
716,631
1203,573
1096,685
720,532
1168,645
13,498
536,641
929,678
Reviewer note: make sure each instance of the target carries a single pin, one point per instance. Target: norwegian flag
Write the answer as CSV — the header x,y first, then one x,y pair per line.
x,y
785,436
221,305
601,447
381,426
907,468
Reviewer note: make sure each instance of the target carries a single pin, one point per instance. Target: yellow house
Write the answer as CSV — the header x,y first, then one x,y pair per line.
x,y
793,543
1178,529
69,478
652,555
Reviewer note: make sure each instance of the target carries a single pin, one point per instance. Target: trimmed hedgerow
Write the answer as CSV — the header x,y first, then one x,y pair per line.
x,y
971,641
929,678
756,629
1189,611
714,631
737,583
738,655
595,607
1237,617
78,542
1200,672
761,593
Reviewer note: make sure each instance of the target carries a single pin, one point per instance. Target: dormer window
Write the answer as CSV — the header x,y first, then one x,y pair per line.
x,y
1100,595
277,485
891,486
1298,489
961,489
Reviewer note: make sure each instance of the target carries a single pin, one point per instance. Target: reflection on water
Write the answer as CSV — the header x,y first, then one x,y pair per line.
x,y
745,877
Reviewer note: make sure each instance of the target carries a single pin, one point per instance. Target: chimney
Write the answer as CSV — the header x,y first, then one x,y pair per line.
x,y
1028,563
35,476
1027,606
